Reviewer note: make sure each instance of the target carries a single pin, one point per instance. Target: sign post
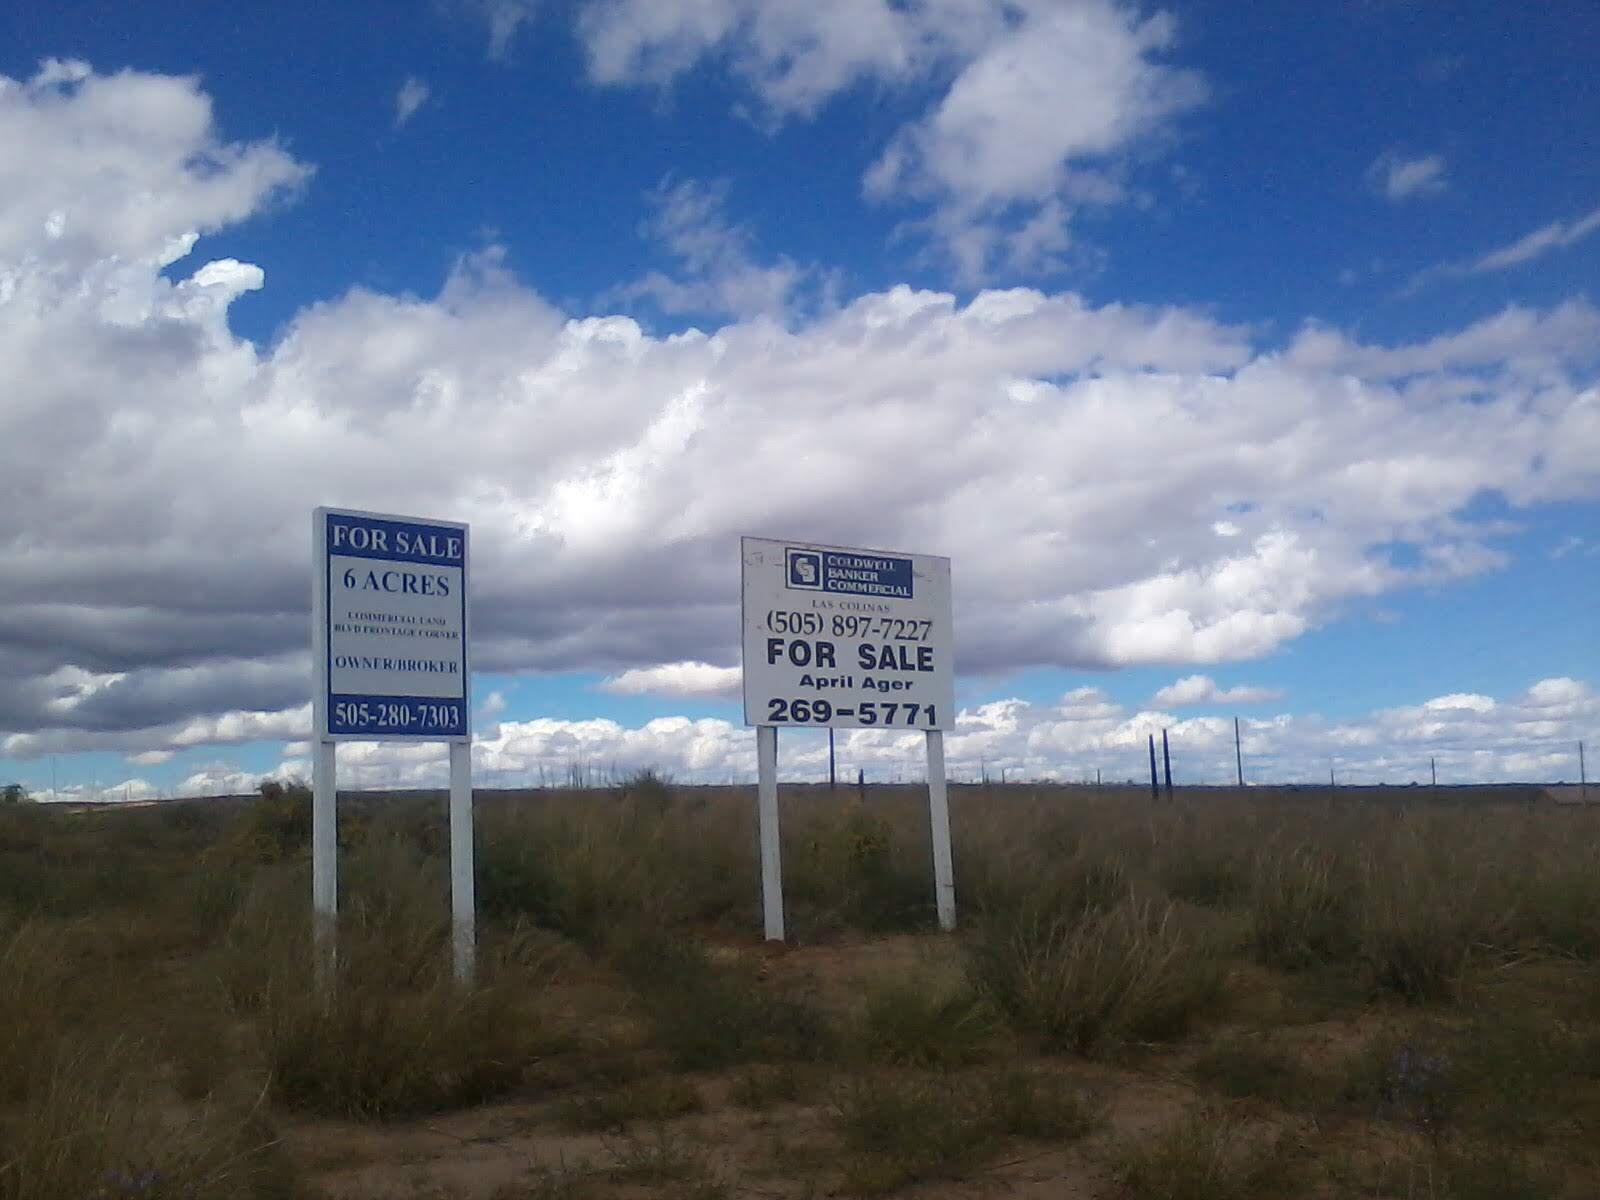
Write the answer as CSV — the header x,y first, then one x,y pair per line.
x,y
833,638
389,640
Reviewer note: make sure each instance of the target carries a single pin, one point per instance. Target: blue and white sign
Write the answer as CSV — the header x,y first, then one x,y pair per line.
x,y
834,636
389,627
850,573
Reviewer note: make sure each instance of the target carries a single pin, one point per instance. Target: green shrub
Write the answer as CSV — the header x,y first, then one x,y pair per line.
x,y
1422,930
650,789
858,869
98,1126
1303,908
898,1130
1203,861
1506,1074
1133,972
1414,1080
37,972
1240,1067
612,863
764,1085
1204,1157
1460,1169
641,1100
278,824
1040,1106
708,1014
392,1033
916,1022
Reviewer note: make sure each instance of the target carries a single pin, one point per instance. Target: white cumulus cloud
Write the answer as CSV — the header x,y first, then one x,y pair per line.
x,y
125,167
1038,101
676,679
1514,738
1202,689
1077,460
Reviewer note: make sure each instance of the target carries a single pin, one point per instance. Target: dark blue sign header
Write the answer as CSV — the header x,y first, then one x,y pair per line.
x,y
396,541
847,571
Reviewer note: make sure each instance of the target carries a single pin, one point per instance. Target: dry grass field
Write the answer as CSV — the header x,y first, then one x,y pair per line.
x,y
1231,996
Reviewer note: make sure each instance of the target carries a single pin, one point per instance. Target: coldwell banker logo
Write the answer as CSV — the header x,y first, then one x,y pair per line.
x,y
850,573
805,570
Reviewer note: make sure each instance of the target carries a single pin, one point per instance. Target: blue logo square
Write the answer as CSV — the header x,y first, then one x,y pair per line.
x,y
805,570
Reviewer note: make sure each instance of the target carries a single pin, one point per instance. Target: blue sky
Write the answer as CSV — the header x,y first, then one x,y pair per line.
x,y
1316,280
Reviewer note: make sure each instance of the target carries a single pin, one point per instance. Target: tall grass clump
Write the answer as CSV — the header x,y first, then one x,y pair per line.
x,y
1242,1067
1420,936
1081,981
98,1125
1561,908
707,1013
585,869
1440,895
860,868
1204,861
1204,1157
1303,907
392,1032
36,979
920,1022
898,1130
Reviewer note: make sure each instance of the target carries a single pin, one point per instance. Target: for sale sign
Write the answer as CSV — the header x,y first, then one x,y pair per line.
x,y
846,637
389,627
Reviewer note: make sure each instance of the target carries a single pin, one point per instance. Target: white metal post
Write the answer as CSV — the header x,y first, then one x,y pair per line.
x,y
324,853
944,878
767,820
462,891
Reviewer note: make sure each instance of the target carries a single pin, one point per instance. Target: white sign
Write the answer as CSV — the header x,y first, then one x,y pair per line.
x,y
849,638
390,628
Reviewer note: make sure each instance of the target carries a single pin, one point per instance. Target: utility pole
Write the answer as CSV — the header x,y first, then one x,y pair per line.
x,y
1155,787
1166,760
1433,768
1583,778
1238,754
833,779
